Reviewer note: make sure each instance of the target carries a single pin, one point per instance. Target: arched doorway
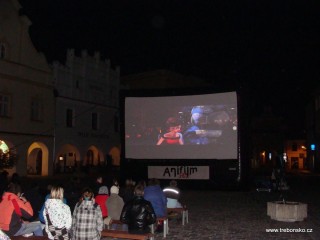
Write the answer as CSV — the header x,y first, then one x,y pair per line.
x,y
67,159
94,157
115,156
38,159
90,157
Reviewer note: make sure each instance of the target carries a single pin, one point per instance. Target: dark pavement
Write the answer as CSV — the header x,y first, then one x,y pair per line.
x,y
243,214
216,214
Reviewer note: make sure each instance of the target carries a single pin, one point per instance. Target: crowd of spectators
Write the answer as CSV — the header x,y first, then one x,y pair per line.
x,y
76,209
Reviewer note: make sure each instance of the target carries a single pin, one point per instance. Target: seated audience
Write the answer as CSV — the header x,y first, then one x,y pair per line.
x,y
87,222
3,236
57,215
127,192
99,183
154,194
101,199
138,213
14,208
114,205
172,192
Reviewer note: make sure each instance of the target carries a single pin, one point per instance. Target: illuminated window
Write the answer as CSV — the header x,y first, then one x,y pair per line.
x,y
4,105
36,109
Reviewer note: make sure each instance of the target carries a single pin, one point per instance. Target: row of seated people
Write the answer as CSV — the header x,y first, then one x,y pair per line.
x,y
90,213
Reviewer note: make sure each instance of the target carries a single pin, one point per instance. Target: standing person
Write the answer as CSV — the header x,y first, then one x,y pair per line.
x,y
115,205
101,200
87,222
14,207
138,213
57,215
154,194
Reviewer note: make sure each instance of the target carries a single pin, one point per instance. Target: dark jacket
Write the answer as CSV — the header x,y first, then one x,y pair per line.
x,y
138,214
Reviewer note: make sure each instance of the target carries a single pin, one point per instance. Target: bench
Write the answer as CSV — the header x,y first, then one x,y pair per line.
x,y
165,225
126,235
30,238
184,211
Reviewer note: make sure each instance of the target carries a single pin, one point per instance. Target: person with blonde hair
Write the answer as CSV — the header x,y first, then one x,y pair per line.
x,y
57,215
87,220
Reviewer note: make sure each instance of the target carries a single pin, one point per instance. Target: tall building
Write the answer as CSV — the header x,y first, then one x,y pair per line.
x,y
86,127
26,95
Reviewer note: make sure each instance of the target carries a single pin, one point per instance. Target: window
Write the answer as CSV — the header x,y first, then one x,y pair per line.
x,y
36,109
2,50
70,118
4,105
94,121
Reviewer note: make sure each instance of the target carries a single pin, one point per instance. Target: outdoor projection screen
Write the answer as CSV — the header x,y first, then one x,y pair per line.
x,y
181,127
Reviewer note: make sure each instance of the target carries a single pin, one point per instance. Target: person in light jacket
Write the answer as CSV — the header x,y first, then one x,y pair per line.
x,y
57,215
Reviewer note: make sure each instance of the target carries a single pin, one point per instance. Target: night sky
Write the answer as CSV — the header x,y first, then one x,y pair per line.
x,y
269,48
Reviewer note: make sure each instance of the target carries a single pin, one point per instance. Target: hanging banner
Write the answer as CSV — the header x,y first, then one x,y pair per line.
x,y
178,172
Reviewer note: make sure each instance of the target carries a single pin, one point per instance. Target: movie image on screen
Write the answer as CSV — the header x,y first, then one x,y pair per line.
x,y
182,127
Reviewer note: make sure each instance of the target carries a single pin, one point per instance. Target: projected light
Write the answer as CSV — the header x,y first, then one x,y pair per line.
x,y
181,127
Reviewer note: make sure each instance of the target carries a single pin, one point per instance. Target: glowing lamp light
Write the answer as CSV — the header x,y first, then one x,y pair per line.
x,y
171,190
313,147
4,147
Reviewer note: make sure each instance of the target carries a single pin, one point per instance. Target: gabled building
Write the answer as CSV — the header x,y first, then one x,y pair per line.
x,y
86,126
26,95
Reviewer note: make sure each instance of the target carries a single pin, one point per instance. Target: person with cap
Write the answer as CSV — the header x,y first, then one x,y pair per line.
x,y
193,134
114,204
101,200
